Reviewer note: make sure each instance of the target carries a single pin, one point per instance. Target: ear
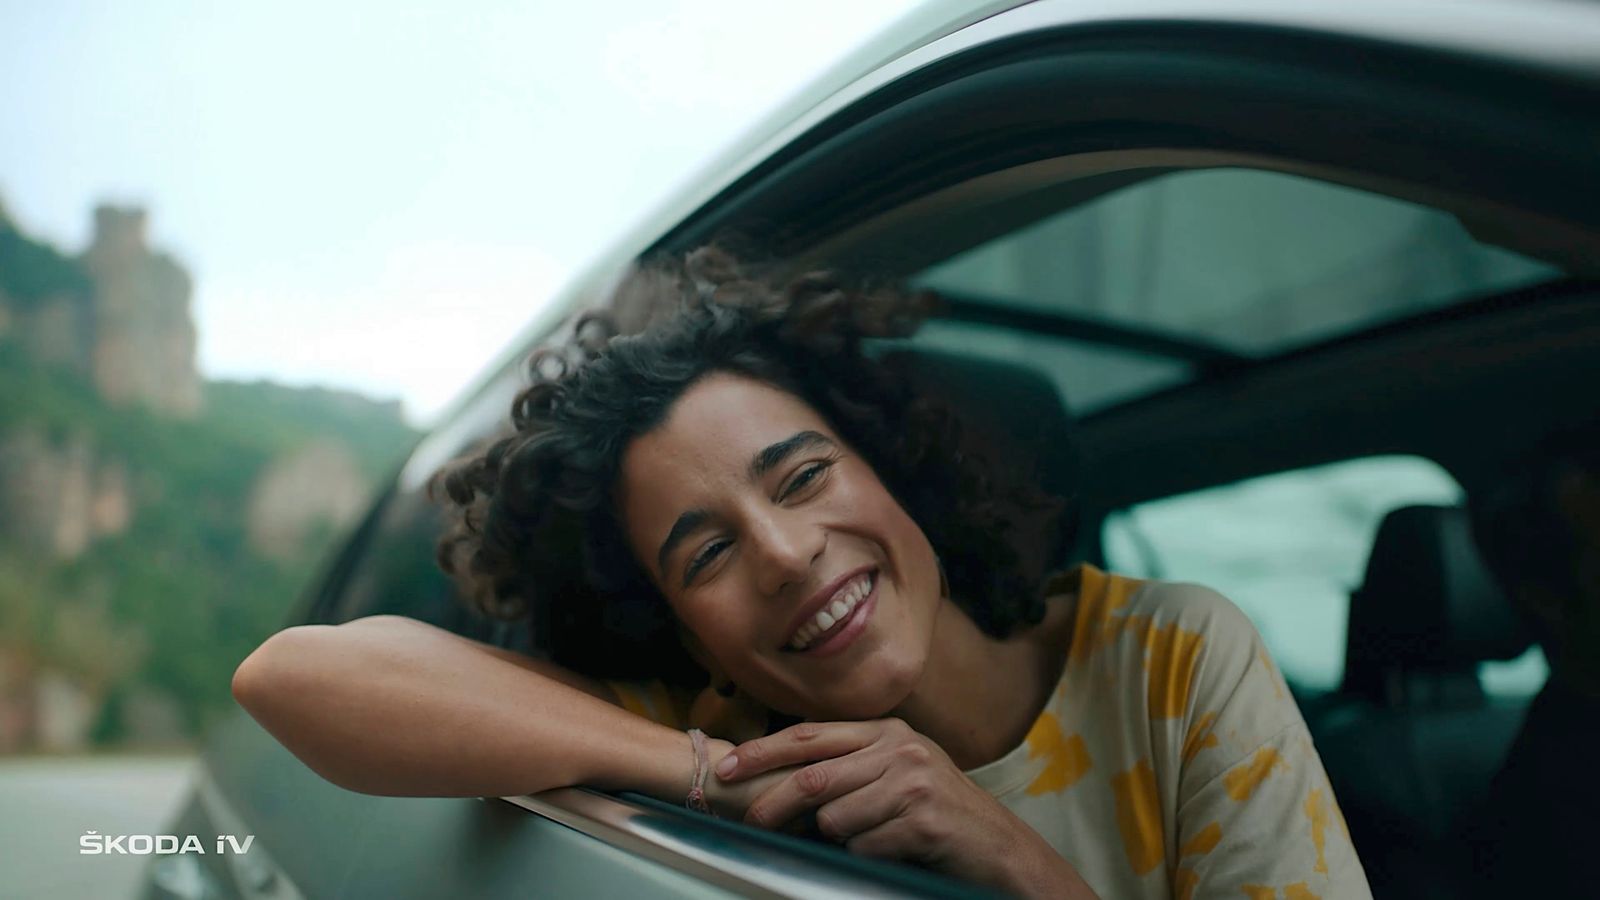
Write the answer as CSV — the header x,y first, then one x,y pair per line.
x,y
736,718
702,658
721,709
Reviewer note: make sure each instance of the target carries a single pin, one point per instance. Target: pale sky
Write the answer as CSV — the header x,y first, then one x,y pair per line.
x,y
378,195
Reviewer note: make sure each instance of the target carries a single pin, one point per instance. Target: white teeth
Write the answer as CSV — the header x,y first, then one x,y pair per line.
x,y
843,603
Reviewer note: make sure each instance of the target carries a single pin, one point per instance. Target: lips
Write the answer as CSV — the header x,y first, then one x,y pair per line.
x,y
829,607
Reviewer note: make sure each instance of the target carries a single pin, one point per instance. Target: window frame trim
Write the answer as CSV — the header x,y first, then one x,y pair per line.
x,y
720,853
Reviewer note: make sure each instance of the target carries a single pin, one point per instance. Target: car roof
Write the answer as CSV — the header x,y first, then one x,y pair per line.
x,y
1552,37
1559,38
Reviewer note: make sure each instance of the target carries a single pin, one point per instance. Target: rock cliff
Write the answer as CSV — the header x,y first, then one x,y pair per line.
x,y
143,347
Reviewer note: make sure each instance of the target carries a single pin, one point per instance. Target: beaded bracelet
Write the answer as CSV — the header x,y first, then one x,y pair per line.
x,y
697,789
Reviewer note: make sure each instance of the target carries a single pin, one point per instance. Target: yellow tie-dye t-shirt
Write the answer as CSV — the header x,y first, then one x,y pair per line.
x,y
1170,760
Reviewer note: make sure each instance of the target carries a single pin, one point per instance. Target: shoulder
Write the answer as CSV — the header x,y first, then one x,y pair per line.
x,y
653,700
1199,610
1183,653
1235,694
1187,618
1230,655
1198,641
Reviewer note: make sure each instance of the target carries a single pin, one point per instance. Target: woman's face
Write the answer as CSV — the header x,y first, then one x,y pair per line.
x,y
759,525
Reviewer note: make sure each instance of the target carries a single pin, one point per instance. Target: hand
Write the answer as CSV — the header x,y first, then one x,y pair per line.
x,y
886,791
731,800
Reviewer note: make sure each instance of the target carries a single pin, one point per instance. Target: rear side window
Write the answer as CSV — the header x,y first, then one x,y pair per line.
x,y
1288,549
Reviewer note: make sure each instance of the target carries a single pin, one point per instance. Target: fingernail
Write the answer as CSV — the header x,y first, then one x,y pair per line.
x,y
726,765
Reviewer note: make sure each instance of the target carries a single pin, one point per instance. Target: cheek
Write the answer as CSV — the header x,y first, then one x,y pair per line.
x,y
867,500
721,625
920,561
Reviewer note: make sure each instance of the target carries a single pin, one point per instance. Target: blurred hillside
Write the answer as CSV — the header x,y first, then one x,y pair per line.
x,y
154,526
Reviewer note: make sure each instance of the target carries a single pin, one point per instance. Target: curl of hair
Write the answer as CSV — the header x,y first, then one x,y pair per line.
x,y
533,527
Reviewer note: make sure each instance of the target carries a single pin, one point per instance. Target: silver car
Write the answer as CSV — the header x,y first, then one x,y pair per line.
x,y
1280,265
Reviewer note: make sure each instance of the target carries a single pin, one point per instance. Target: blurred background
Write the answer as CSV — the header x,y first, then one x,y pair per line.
x,y
247,252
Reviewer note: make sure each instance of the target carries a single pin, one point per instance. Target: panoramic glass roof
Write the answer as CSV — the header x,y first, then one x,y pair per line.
x,y
1251,262
1215,265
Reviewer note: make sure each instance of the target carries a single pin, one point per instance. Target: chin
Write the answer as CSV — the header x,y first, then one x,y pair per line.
x,y
886,693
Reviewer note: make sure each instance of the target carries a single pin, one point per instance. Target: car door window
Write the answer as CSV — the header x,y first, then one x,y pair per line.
x,y
1288,549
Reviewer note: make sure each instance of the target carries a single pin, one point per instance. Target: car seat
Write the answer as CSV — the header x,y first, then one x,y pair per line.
x,y
1012,415
1416,741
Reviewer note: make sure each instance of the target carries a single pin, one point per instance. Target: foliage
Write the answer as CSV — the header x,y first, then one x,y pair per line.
x,y
31,271
180,597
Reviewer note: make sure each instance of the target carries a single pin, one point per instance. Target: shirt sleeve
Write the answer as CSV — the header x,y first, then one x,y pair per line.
x,y
652,700
1256,816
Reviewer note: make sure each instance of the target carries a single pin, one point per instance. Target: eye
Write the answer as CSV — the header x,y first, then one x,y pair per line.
x,y
702,559
805,477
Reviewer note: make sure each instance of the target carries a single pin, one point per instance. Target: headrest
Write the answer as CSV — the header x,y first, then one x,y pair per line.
x,y
1013,415
1427,603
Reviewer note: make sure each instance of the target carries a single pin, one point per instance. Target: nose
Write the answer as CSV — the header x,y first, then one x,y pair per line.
x,y
786,544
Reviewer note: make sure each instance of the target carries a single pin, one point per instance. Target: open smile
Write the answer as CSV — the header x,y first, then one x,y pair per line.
x,y
839,620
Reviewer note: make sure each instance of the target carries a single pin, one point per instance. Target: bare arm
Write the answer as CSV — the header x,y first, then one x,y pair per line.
x,y
389,705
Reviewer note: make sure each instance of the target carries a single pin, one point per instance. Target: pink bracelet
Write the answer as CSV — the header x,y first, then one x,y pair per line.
x,y
697,789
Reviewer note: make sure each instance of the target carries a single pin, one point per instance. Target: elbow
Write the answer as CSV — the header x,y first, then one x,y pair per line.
x,y
247,678
305,659
264,672
272,685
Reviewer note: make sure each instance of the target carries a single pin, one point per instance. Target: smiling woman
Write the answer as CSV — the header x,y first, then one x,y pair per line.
x,y
806,523
738,521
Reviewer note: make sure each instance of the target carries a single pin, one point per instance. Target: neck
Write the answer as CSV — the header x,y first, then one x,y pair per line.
x,y
978,695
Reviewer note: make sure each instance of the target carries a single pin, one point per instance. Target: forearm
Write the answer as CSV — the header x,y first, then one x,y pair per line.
x,y
1040,872
387,706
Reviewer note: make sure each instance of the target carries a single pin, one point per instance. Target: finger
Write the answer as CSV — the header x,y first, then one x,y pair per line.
x,y
864,809
897,838
796,745
812,786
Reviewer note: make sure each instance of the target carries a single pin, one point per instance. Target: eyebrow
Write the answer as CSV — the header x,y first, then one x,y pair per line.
x,y
773,456
765,461
681,529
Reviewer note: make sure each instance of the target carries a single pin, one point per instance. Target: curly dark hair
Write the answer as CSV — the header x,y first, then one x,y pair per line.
x,y
534,531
